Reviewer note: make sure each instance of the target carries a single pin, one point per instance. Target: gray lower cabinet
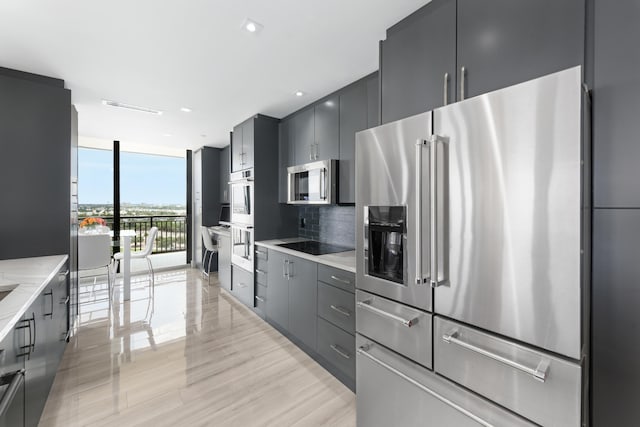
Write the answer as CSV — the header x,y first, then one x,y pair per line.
x,y
337,347
12,379
242,286
303,285
224,261
36,324
277,309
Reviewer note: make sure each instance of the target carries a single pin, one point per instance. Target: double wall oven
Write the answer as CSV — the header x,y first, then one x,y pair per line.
x,y
242,237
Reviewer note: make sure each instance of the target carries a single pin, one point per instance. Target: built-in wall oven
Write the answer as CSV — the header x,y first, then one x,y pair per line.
x,y
242,197
312,183
242,242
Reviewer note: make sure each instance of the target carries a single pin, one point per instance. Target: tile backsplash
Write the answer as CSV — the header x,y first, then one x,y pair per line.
x,y
330,224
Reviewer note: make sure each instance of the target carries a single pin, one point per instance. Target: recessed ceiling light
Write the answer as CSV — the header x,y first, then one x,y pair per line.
x,y
299,93
131,107
252,26
185,110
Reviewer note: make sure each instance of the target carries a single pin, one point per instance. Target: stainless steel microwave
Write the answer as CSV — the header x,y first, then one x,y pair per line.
x,y
312,183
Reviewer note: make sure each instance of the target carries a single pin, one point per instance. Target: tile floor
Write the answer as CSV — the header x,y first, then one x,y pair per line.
x,y
186,353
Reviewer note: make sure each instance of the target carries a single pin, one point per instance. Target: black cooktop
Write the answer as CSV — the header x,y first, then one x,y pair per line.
x,y
315,248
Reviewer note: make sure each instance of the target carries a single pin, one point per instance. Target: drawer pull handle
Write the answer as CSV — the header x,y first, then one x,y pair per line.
x,y
539,373
341,310
367,306
12,391
260,271
261,253
259,298
337,279
363,351
340,351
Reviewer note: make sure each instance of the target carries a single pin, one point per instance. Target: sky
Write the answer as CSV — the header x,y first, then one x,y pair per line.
x,y
144,178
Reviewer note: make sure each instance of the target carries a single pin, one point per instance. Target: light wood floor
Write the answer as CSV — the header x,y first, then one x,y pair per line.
x,y
188,354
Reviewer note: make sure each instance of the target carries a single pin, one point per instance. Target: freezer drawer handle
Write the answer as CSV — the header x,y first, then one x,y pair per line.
x,y
340,310
539,373
12,390
363,351
367,306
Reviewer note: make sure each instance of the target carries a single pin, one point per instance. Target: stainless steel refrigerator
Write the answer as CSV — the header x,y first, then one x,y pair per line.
x,y
472,261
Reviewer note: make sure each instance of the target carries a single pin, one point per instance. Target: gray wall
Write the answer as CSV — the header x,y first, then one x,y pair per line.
x,y
330,224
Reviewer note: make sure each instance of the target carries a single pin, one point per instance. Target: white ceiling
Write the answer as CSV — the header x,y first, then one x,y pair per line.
x,y
168,54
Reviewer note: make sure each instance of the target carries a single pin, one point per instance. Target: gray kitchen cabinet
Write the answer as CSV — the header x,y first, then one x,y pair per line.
x,y
326,129
501,43
285,157
242,286
277,309
373,97
224,260
353,118
304,136
10,365
303,294
247,143
615,300
237,162
225,163
616,104
415,58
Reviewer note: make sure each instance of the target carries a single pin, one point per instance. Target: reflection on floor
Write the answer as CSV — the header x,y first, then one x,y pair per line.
x,y
185,353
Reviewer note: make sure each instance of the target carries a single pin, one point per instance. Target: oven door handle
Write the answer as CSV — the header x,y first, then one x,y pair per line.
x,y
242,227
244,181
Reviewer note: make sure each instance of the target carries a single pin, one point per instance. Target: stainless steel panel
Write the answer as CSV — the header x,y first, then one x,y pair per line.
x,y
336,277
337,306
403,329
536,385
511,166
388,161
338,347
393,391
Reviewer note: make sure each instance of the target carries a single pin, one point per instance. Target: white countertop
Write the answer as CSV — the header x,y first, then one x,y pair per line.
x,y
220,230
31,275
342,260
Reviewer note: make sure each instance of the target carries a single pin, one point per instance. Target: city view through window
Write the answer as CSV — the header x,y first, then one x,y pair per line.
x,y
152,193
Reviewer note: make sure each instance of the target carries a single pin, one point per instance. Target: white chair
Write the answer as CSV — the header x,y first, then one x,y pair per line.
x,y
148,248
209,248
94,251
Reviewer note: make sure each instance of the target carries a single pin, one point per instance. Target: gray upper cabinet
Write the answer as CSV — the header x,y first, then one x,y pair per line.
x,y
247,143
236,149
225,162
353,118
373,104
285,156
303,297
327,116
304,136
277,309
417,55
616,104
501,43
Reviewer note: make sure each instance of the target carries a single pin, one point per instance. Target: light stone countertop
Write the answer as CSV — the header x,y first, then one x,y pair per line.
x,y
342,260
31,275
220,230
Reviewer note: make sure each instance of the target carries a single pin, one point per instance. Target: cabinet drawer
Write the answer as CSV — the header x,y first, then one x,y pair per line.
x,y
336,277
401,328
242,285
261,275
338,347
536,385
261,264
262,254
260,299
337,307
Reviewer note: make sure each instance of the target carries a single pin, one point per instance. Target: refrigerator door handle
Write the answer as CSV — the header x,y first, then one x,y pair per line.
x,y
436,221
539,372
420,143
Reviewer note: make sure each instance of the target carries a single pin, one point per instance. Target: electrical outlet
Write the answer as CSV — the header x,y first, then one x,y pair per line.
x,y
303,222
